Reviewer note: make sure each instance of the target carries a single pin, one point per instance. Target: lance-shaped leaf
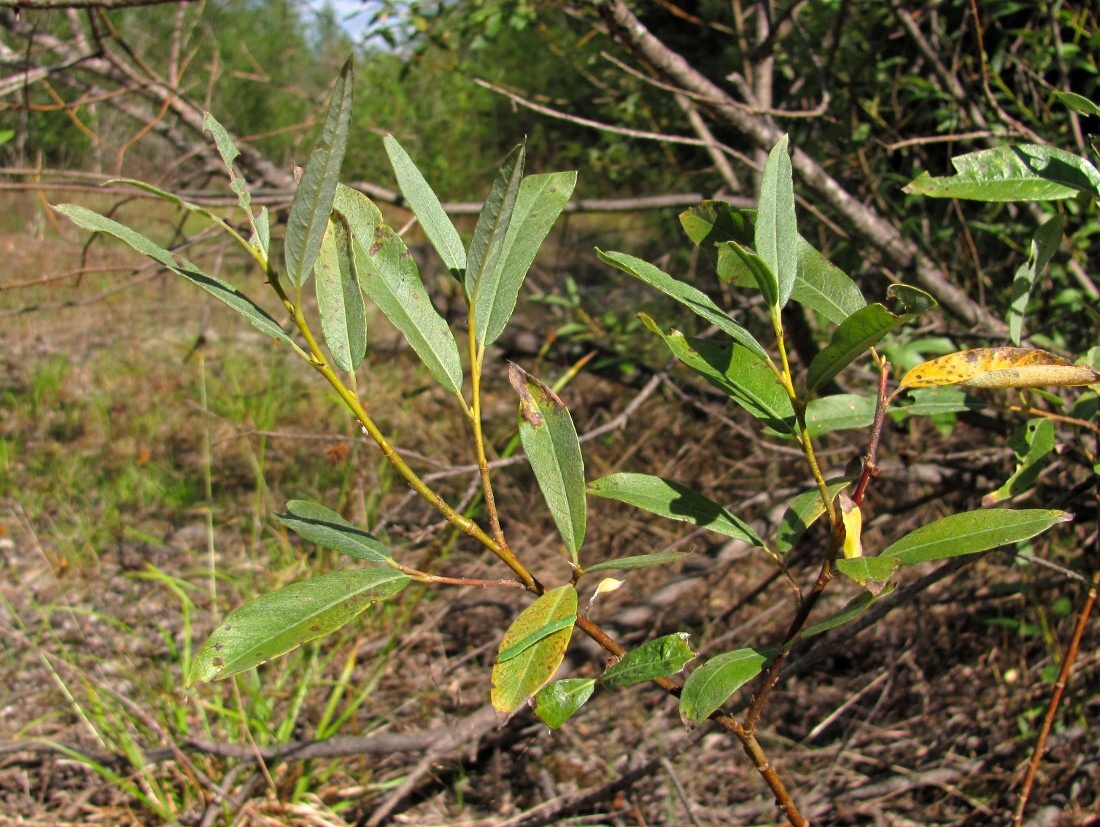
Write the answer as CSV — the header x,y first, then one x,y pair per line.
x,y
556,702
759,269
870,572
639,561
314,522
388,275
261,236
740,374
999,367
309,211
429,212
219,289
654,659
852,609
711,223
487,248
1078,103
711,685
862,331
666,498
823,287
804,510
540,201
362,214
972,532
276,623
695,300
339,299
533,649
937,400
1013,173
1033,443
839,412
776,236
550,441
174,199
1043,246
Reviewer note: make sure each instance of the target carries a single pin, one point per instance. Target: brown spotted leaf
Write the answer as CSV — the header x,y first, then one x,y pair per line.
x,y
999,367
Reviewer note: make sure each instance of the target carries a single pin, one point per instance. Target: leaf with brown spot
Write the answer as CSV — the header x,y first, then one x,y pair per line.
x,y
999,367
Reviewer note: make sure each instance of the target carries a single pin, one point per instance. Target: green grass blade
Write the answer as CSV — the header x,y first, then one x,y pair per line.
x,y
219,289
283,620
540,201
972,532
429,212
312,204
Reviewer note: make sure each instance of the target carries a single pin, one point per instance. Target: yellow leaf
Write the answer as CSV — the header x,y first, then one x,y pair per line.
x,y
999,367
853,527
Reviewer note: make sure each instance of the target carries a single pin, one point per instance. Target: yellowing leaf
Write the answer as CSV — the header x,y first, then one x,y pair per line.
x,y
999,367
853,527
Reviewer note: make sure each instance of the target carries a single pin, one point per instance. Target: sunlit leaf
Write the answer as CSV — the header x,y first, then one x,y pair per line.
x,y
388,275
314,522
776,234
554,451
555,703
1043,246
219,289
972,532
1028,172
804,510
654,659
1033,444
870,572
852,609
540,201
282,620
674,501
712,684
695,300
312,203
937,400
839,412
855,336
999,367
530,667
483,267
339,299
738,372
429,212
640,561
759,269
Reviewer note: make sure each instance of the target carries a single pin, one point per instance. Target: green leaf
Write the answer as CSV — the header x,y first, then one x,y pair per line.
x,y
388,275
739,373
872,572
776,229
309,211
695,300
226,148
674,501
654,659
824,287
429,212
937,400
804,510
276,623
554,451
556,702
852,609
855,336
839,412
174,199
219,289
1013,173
526,671
362,214
1078,103
711,223
972,532
324,527
487,248
639,561
540,201
761,272
712,684
1043,246
1033,443
339,299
